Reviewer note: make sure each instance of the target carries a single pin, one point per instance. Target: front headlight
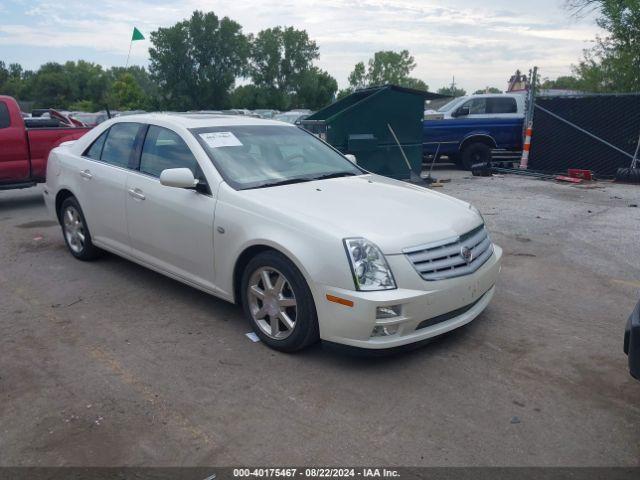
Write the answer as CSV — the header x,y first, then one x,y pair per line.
x,y
368,265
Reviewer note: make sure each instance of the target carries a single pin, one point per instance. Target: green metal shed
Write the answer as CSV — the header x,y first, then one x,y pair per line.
x,y
357,124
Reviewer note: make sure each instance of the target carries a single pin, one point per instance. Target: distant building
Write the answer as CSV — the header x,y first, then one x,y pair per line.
x,y
518,83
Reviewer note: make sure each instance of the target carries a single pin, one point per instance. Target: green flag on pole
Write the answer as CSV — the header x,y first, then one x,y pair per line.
x,y
137,35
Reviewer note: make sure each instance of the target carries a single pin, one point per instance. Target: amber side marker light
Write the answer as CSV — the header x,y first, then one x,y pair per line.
x,y
341,301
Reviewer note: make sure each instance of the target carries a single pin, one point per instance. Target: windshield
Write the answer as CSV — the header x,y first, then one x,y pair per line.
x,y
448,106
251,156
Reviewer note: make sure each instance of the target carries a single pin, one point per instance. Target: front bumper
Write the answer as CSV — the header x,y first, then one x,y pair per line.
x,y
427,309
632,342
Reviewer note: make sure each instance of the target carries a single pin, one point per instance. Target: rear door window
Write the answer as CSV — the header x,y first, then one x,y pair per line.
x,y
5,119
95,150
502,105
120,144
162,149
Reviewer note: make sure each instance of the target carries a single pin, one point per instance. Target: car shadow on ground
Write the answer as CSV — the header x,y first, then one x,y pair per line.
x,y
22,202
327,353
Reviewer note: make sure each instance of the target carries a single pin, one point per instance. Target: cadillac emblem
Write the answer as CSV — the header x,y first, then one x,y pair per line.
x,y
465,253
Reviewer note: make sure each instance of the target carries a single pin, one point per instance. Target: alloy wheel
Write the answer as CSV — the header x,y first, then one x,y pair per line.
x,y
73,229
272,303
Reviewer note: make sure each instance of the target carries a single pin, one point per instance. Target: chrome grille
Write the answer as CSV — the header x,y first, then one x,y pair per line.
x,y
444,259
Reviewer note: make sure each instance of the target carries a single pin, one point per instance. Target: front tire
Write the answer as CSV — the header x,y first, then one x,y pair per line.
x,y
75,231
475,153
278,303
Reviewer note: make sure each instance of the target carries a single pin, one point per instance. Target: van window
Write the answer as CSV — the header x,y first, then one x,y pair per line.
x,y
119,146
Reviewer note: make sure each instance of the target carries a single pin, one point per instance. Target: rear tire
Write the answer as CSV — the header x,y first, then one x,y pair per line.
x,y
622,174
475,153
278,303
628,175
76,232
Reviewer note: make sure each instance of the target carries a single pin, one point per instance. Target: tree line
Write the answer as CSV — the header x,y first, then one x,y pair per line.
x,y
78,86
204,62
207,62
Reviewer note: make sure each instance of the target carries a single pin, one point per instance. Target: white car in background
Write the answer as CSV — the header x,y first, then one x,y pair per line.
x,y
293,116
264,214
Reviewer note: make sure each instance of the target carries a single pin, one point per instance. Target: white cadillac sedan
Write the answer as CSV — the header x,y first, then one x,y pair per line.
x,y
264,214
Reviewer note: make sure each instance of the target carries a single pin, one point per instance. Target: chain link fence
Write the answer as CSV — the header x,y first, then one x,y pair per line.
x,y
592,132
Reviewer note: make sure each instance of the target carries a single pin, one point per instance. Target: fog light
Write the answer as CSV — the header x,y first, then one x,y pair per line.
x,y
389,311
384,330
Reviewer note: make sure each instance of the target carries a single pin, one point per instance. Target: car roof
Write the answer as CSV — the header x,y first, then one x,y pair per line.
x,y
199,120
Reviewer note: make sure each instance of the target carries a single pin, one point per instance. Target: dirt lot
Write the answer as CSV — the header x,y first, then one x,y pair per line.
x,y
108,363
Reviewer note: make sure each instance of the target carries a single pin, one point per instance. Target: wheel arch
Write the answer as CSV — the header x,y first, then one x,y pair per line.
x,y
249,252
61,196
478,138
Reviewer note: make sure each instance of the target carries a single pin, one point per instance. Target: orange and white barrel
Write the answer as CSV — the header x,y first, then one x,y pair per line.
x,y
524,161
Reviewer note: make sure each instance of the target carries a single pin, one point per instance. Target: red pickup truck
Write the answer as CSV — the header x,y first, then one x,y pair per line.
x,y
25,145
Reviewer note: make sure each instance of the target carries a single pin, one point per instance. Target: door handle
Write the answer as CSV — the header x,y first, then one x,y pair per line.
x,y
86,174
136,193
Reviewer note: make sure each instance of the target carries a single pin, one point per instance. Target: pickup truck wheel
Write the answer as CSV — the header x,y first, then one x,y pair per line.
x,y
278,303
75,231
475,153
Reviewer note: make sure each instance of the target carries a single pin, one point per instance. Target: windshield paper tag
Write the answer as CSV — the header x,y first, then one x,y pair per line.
x,y
220,139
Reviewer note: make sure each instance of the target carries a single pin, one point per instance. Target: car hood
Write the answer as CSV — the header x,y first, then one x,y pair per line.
x,y
391,213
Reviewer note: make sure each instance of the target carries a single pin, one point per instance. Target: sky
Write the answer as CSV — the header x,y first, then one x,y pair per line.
x,y
481,43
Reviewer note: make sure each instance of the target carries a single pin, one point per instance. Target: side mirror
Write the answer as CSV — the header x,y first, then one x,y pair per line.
x,y
462,112
178,178
351,158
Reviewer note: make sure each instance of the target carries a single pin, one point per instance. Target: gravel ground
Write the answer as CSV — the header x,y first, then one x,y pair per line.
x,y
108,363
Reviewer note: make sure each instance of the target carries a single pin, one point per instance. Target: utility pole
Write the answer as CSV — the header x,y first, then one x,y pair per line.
x,y
528,118
531,94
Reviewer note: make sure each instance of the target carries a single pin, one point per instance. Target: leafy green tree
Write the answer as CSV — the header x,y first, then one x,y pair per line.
x,y
281,62
78,85
51,86
385,67
358,77
249,96
4,75
452,91
390,67
126,94
488,90
416,83
87,81
316,89
613,64
196,61
83,106
140,74
565,82
14,81
59,85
